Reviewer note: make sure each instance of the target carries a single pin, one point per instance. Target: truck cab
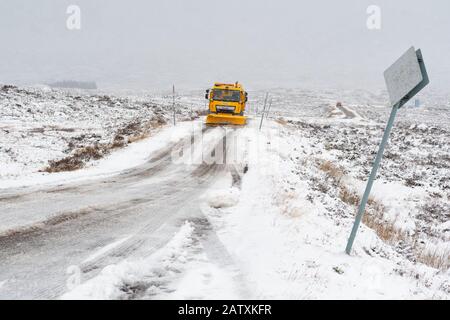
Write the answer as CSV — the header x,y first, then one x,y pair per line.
x,y
226,104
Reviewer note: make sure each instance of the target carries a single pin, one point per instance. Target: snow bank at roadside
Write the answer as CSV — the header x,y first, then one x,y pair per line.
x,y
223,198
147,276
182,269
288,238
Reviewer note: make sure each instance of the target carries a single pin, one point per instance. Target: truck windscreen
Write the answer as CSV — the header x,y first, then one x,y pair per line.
x,y
226,95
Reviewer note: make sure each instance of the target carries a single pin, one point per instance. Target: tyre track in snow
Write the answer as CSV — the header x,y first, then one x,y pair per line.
x,y
210,243
145,205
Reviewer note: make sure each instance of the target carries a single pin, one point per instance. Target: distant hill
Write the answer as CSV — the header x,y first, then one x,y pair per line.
x,y
74,84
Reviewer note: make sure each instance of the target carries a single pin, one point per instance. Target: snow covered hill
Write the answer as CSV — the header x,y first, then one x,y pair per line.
x,y
38,125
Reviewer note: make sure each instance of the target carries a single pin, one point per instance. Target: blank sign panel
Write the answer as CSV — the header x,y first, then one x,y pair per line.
x,y
403,76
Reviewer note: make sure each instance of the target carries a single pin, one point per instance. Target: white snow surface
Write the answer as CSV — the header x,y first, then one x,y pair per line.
x,y
130,156
114,280
38,125
288,247
277,243
279,231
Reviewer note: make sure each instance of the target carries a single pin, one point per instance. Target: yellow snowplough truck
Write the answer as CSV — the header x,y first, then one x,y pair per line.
x,y
226,104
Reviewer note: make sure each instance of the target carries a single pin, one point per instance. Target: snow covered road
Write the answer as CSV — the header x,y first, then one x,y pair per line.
x,y
150,220
95,223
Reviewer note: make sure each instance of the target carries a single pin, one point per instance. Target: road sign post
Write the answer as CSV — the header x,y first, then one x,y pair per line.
x,y
173,106
268,109
404,79
264,110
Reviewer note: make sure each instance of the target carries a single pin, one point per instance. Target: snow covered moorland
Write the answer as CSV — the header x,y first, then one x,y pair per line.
x,y
135,221
39,125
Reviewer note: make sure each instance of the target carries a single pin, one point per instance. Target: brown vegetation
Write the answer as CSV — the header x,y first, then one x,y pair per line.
x,y
374,218
132,132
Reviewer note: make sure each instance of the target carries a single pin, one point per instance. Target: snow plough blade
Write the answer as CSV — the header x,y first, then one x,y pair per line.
x,y
225,119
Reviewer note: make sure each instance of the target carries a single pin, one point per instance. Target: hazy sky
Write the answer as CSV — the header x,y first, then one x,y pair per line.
x,y
152,44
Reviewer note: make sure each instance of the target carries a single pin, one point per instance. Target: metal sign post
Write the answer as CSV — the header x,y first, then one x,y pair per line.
x,y
264,110
173,105
404,79
268,109
265,113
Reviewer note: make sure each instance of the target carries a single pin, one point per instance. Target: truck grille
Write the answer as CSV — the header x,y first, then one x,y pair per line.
x,y
225,109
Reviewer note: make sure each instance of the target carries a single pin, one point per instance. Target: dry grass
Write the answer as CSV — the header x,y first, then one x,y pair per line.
x,y
389,233
349,197
281,121
65,164
374,218
331,170
132,132
90,152
435,259
118,141
374,214
77,159
384,229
